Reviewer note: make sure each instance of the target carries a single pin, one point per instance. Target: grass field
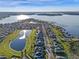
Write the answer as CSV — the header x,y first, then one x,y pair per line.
x,y
65,45
4,46
30,43
7,51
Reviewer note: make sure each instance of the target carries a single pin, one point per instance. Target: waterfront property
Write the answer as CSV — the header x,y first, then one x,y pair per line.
x,y
24,40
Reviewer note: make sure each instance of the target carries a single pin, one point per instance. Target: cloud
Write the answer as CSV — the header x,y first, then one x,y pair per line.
x,y
16,3
23,5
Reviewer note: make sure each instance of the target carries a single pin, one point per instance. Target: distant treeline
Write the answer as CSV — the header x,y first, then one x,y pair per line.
x,y
7,14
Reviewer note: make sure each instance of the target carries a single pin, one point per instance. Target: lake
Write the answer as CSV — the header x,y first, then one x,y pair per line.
x,y
19,43
69,22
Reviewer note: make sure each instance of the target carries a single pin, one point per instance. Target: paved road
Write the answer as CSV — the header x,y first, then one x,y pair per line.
x,y
74,56
47,44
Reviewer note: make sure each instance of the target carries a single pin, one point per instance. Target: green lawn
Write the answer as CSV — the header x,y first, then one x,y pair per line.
x,y
65,45
30,43
4,46
7,51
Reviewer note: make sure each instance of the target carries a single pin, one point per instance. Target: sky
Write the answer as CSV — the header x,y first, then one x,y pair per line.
x,y
39,5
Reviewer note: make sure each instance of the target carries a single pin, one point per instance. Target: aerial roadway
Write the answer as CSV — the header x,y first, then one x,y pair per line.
x,y
47,44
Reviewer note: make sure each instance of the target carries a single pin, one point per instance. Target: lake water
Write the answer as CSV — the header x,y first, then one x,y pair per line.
x,y
19,43
69,22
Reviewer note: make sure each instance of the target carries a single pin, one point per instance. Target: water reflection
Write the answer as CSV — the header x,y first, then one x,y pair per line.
x,y
19,43
70,22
